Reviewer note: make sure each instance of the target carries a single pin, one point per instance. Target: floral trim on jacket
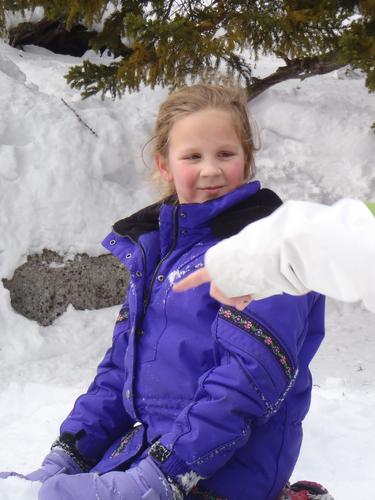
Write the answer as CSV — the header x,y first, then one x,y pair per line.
x,y
123,315
256,330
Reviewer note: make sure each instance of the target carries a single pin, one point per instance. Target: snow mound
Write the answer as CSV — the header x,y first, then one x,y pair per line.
x,y
15,488
11,69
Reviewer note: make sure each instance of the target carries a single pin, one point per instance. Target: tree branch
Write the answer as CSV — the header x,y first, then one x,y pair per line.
x,y
79,118
295,68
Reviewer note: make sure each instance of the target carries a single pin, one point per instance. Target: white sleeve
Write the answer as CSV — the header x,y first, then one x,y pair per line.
x,y
302,246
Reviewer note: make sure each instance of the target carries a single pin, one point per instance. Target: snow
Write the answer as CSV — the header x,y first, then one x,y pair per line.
x,y
61,187
12,19
20,489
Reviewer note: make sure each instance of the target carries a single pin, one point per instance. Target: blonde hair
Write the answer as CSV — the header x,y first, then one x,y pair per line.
x,y
191,99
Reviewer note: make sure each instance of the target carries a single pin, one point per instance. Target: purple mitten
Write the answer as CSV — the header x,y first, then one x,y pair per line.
x,y
5,475
143,482
56,462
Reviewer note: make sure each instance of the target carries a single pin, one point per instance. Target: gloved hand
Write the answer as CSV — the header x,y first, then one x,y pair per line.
x,y
56,462
143,482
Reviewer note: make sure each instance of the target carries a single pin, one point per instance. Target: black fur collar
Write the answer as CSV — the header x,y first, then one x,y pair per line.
x,y
230,222
260,205
141,222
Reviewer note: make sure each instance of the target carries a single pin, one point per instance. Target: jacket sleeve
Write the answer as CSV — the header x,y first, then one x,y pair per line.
x,y
257,364
98,416
302,246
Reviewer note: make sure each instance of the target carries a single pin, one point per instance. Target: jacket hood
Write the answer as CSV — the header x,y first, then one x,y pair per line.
x,y
234,217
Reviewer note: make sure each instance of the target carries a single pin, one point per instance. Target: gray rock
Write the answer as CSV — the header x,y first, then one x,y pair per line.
x,y
42,288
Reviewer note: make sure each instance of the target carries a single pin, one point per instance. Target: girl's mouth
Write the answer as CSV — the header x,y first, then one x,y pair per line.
x,y
211,188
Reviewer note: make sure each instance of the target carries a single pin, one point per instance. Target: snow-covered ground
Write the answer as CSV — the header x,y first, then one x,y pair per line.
x,y
61,187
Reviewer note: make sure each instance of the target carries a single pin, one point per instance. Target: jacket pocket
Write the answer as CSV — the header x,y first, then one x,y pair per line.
x,y
269,368
123,451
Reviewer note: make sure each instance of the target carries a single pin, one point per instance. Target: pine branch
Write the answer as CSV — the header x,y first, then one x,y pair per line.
x,y
79,118
170,42
238,65
168,10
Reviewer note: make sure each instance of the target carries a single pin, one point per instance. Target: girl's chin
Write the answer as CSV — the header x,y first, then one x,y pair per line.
x,y
209,194
203,195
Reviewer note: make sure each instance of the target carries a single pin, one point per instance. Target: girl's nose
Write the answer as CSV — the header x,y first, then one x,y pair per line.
x,y
210,168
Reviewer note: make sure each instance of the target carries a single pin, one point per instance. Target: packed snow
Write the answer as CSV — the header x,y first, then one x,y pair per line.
x,y
62,186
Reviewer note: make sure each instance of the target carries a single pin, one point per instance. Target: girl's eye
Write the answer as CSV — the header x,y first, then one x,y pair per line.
x,y
193,156
225,154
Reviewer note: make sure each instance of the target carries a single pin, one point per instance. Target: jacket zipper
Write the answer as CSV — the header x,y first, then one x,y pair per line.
x,y
175,232
137,245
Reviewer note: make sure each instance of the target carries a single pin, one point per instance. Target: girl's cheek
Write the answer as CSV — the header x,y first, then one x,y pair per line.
x,y
237,170
189,176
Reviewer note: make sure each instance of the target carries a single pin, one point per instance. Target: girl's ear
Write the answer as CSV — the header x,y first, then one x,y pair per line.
x,y
163,168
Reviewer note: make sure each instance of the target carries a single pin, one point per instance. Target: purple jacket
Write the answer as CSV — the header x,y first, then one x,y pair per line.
x,y
220,394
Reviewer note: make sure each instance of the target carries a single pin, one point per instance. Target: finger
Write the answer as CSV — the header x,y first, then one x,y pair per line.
x,y
219,296
194,279
242,302
238,302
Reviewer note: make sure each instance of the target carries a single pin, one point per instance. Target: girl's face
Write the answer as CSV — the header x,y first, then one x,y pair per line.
x,y
205,156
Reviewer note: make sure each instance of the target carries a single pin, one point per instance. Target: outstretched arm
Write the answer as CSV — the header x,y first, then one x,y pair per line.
x,y
302,246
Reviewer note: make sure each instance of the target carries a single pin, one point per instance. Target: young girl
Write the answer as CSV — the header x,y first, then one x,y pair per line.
x,y
193,399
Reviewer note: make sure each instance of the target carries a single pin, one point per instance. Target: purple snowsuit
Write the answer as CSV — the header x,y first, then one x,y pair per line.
x,y
219,393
